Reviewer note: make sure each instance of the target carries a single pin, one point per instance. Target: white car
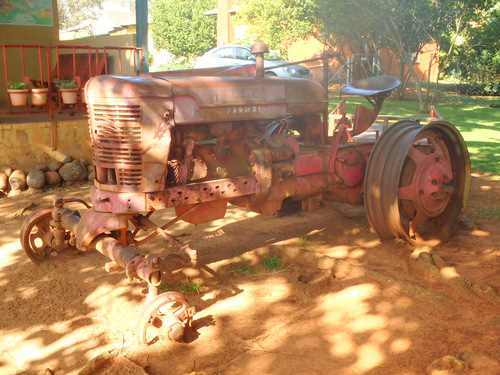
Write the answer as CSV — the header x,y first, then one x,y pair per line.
x,y
241,55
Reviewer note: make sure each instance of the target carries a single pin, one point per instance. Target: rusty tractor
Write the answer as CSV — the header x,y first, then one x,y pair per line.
x,y
194,141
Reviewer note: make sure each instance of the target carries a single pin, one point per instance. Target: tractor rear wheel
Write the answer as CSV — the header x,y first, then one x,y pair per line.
x,y
417,182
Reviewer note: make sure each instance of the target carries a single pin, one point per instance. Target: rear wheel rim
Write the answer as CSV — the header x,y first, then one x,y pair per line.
x,y
417,182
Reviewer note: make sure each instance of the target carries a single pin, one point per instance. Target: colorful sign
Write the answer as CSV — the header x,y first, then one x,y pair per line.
x,y
26,12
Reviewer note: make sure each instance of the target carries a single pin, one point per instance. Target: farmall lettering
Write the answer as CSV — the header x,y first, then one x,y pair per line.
x,y
244,110
197,141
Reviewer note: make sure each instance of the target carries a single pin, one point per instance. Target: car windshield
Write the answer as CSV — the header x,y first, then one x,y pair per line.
x,y
273,55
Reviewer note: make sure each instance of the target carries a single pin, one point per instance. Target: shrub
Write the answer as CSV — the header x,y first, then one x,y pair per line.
x,y
17,85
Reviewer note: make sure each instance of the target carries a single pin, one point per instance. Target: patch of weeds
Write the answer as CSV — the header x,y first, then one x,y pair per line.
x,y
487,213
303,240
164,287
272,263
239,268
191,287
430,249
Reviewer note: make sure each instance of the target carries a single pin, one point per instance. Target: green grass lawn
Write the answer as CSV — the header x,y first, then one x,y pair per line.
x,y
474,117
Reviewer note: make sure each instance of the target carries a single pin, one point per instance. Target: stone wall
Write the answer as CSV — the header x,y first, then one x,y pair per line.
x,y
26,145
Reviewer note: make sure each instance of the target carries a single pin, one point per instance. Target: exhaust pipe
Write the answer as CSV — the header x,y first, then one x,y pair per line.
x,y
258,49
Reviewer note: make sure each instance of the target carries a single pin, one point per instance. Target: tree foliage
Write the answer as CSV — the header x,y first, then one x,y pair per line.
x,y
73,12
401,26
182,28
277,22
476,61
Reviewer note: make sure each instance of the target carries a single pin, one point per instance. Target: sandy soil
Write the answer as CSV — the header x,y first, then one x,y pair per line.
x,y
342,302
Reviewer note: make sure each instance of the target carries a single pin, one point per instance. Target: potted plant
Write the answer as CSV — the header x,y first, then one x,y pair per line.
x,y
18,93
39,95
68,89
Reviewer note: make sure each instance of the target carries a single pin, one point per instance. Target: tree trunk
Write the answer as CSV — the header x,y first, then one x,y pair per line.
x,y
418,85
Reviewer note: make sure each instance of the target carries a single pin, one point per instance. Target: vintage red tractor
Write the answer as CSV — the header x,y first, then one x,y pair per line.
x,y
198,140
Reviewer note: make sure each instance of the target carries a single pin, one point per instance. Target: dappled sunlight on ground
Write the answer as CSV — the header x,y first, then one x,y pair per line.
x,y
340,302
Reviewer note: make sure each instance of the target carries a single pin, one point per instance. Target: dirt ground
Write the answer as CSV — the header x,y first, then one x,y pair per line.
x,y
339,302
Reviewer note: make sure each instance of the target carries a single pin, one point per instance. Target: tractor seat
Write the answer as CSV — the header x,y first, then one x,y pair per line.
x,y
371,86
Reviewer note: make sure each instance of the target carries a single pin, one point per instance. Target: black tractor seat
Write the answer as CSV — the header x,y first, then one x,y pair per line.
x,y
371,86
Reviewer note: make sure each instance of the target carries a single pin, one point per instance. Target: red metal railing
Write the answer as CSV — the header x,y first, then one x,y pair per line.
x,y
64,62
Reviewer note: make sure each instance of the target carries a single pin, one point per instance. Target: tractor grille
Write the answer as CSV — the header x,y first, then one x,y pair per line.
x,y
117,136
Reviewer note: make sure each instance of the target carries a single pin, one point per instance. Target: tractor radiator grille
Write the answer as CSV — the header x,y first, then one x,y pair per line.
x,y
117,141
117,113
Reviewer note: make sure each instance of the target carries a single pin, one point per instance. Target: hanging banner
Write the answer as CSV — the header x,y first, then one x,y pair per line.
x,y
26,12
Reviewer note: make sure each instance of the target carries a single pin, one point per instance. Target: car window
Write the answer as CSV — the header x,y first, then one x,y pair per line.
x,y
224,53
243,54
273,55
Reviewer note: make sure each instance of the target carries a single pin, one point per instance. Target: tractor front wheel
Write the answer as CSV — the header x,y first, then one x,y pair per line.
x,y
37,235
169,312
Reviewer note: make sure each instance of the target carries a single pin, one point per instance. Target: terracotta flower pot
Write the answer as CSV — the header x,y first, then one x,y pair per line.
x,y
18,98
69,95
39,96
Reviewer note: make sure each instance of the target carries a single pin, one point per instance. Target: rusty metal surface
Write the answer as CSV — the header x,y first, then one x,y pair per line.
x,y
130,141
37,235
184,195
226,71
207,211
93,223
417,182
169,311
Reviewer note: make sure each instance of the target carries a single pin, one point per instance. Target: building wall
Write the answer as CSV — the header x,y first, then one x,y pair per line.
x,y
29,144
427,60
127,57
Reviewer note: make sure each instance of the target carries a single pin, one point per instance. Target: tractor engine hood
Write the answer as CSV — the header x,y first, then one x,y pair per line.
x,y
202,99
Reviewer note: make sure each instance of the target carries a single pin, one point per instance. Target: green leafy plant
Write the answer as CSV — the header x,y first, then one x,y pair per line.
x,y
303,240
64,84
17,85
164,287
272,262
487,213
175,64
182,28
191,287
239,268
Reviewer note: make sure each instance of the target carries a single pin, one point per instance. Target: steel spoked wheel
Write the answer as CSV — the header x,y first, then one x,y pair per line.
x,y
37,235
168,312
417,182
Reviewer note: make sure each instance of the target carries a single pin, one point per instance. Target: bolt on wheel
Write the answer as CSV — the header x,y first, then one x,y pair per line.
x,y
417,182
168,313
